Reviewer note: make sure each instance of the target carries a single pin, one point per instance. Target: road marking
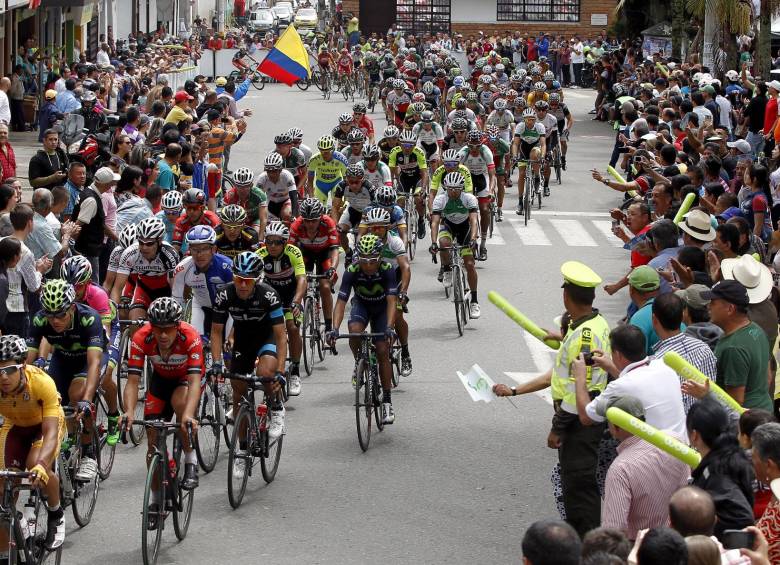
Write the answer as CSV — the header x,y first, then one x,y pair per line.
x,y
540,353
569,213
532,234
573,233
605,227
497,238
522,378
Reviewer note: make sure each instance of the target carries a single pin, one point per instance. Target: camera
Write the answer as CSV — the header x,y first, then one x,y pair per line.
x,y
588,357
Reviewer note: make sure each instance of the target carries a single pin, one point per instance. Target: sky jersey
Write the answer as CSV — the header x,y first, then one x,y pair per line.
x,y
262,306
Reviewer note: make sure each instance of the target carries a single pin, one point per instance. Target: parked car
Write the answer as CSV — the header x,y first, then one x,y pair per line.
x,y
306,19
283,13
263,20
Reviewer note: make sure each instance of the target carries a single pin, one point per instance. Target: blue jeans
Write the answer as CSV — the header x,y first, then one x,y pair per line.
x,y
756,141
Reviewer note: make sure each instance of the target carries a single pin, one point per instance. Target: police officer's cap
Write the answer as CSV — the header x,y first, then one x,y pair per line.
x,y
579,274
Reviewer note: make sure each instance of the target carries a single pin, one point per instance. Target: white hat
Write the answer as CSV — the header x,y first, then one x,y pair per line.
x,y
104,175
774,84
697,224
740,145
754,276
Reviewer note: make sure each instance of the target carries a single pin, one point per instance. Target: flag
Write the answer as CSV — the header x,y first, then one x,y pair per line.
x,y
33,4
288,61
478,384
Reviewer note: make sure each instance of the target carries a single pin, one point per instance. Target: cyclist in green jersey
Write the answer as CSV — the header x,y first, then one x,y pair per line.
x,y
501,159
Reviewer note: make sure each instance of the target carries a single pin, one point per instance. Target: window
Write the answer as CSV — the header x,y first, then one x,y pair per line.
x,y
538,10
423,16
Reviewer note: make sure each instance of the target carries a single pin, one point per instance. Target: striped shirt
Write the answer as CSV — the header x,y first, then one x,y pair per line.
x,y
217,141
639,484
693,350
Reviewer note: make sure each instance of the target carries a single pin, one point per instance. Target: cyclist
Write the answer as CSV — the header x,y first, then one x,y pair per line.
x,y
75,334
388,142
195,214
326,168
450,164
205,272
315,234
278,184
550,124
285,271
174,350
363,122
457,139
326,62
297,140
501,160
77,271
170,212
430,138
528,144
432,97
339,133
233,235
375,301
462,111
353,152
409,170
350,199
479,161
259,340
386,197
538,93
344,64
502,119
374,79
565,121
294,160
250,197
33,430
152,261
398,102
455,212
378,223
377,173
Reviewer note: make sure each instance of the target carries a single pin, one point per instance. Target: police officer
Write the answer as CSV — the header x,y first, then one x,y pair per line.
x,y
576,443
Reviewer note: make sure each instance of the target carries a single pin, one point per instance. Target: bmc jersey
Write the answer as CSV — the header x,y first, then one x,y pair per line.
x,y
154,273
325,238
529,136
455,211
357,201
185,357
277,191
85,332
204,285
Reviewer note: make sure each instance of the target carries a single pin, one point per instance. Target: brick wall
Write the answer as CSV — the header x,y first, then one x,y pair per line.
x,y
353,6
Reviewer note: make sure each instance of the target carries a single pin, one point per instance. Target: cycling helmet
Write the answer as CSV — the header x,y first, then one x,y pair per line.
x,y
480,63
295,133
555,97
242,176
492,132
472,97
408,65
385,195
618,89
152,228
457,82
462,114
371,152
201,234
247,264
355,136
12,348
732,75
485,79
277,229
450,155
426,117
359,107
522,73
474,137
541,105
529,113
76,270
511,93
427,88
368,245
487,69
418,107
441,73
399,84
499,104
520,103
196,195
556,85
459,124
355,171
456,72
128,235
412,50
389,81
232,215
407,136
57,295
164,311
326,143
273,162
500,68
549,75
391,131
540,86
377,215
502,88
88,96
171,200
311,209
345,118
454,180
418,97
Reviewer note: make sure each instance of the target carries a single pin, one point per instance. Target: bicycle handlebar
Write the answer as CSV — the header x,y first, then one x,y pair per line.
x,y
254,379
362,335
139,322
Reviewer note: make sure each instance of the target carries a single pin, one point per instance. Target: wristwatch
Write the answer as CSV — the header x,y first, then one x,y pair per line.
x,y
514,391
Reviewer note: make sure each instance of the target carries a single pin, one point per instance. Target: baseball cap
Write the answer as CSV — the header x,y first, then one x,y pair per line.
x,y
774,84
629,404
105,175
221,81
692,296
182,96
212,115
709,89
740,145
644,279
50,94
730,291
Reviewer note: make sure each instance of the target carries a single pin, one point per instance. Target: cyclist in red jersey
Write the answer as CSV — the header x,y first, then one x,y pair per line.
x,y
175,351
315,234
195,214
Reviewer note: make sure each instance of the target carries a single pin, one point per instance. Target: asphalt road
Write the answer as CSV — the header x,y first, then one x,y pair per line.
x,y
452,481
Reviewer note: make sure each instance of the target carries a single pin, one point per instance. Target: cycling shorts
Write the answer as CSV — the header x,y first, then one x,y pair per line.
x,y
480,186
319,261
350,217
375,314
430,149
322,189
248,347
525,151
460,233
17,441
64,370
144,295
111,356
408,183
275,208
158,397
200,319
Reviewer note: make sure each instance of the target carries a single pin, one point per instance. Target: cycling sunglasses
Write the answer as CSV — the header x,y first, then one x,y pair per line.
x,y
451,163
244,280
57,315
407,145
370,260
274,242
9,370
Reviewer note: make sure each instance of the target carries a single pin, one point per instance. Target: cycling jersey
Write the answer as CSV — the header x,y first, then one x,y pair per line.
x,y
535,96
170,226
451,143
36,400
561,113
454,211
325,238
183,224
152,273
352,158
478,164
357,201
341,136
409,164
282,272
295,161
380,176
263,305
204,284
85,333
326,174
184,359
439,173
247,240
550,124
366,125
499,148
386,148
529,136
486,95
431,136
503,120
113,259
96,298
393,249
370,289
253,203
277,191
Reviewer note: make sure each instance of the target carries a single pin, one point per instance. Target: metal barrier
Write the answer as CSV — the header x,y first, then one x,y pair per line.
x,y
177,77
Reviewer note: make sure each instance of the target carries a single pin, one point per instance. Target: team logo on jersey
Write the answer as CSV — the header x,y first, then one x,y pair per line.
x,y
87,321
271,297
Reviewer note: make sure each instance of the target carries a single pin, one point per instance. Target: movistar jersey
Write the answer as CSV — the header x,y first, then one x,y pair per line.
x,y
371,289
85,332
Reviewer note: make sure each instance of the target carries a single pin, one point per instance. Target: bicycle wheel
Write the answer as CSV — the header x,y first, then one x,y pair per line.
x,y
527,195
492,223
316,80
465,304
225,397
273,452
538,191
137,433
395,364
557,162
376,393
457,295
363,404
411,228
85,493
121,372
308,336
207,444
303,84
243,457
150,539
106,452
182,507
318,332
35,544
345,90
258,80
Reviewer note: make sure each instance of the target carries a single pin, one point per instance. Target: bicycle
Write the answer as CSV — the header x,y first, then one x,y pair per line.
x,y
533,188
326,84
165,469
373,96
106,452
122,374
81,495
253,421
28,531
461,294
368,389
242,70
348,89
312,336
493,215
410,212
555,161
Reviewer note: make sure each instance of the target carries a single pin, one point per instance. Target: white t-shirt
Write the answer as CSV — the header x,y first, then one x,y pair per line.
x,y
577,54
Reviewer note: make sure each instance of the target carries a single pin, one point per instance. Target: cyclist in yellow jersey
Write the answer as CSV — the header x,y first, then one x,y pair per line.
x,y
538,93
32,430
450,164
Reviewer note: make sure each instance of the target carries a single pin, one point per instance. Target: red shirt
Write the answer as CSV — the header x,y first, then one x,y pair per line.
x,y
327,236
184,224
366,125
7,162
770,115
185,358
637,258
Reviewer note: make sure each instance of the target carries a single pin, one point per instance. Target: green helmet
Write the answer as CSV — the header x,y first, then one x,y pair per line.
x,y
57,296
368,245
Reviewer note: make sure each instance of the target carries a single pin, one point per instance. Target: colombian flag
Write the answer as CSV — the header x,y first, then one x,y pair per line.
x,y
288,61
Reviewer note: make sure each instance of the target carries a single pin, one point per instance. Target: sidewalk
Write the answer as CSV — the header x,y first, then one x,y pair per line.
x,y
25,145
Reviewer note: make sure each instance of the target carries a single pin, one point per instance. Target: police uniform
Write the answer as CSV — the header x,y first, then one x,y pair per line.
x,y
578,453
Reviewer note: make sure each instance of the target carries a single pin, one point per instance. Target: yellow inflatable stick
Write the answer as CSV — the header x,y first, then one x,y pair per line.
x,y
664,70
688,371
521,320
654,436
615,175
684,207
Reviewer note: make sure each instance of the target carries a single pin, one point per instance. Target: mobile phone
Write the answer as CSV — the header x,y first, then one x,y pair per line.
x,y
737,539
588,358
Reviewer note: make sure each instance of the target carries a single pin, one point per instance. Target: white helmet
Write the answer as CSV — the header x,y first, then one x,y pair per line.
x,y
243,176
171,200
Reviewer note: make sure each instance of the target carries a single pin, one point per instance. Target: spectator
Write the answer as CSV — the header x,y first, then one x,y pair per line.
x,y
743,351
698,230
60,197
577,59
181,110
120,153
663,238
7,156
638,220
662,546
136,208
725,471
42,241
644,285
47,167
702,551
165,177
89,214
551,542
10,252
77,178
5,105
766,463
66,100
756,200
48,114
727,240
606,540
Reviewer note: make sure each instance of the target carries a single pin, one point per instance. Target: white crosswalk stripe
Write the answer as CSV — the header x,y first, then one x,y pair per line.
x,y
605,227
573,233
532,234
497,238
